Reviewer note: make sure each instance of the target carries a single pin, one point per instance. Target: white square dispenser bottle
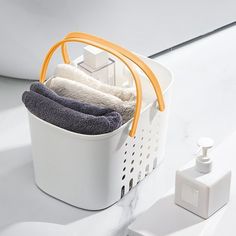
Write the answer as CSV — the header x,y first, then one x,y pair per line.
x,y
203,186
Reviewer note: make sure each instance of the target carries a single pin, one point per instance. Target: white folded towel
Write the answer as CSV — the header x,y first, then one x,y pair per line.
x,y
83,93
74,73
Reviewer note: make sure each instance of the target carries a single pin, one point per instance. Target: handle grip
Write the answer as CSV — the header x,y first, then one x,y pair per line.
x,y
113,52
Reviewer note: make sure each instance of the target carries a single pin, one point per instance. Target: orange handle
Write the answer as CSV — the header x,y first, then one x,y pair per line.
x,y
131,56
105,47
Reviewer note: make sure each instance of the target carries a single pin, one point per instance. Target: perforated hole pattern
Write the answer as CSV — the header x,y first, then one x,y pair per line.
x,y
140,158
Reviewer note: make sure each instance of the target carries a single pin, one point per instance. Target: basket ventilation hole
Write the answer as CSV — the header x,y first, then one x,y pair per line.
x,y
124,168
147,170
139,176
133,153
132,169
140,162
123,177
125,152
122,191
126,144
140,154
132,162
141,146
155,163
142,138
148,155
124,160
131,184
134,145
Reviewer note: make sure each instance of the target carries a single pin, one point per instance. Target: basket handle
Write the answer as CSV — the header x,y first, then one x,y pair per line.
x,y
131,56
113,52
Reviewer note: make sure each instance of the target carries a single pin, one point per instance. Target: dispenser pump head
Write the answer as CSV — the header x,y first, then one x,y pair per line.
x,y
203,161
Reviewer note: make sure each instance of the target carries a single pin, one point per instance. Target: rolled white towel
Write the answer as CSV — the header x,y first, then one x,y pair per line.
x,y
86,94
74,73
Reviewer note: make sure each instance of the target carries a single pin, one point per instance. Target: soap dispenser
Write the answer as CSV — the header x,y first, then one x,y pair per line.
x,y
203,185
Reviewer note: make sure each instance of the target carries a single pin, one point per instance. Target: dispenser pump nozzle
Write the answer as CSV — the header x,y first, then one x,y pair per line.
x,y
203,161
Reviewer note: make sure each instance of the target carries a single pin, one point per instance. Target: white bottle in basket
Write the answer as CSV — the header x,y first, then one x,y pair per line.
x,y
97,63
203,187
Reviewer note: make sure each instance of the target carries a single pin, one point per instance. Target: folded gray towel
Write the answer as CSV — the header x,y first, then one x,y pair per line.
x,y
68,118
69,102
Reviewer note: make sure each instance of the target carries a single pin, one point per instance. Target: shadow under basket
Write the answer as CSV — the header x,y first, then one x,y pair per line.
x,y
95,171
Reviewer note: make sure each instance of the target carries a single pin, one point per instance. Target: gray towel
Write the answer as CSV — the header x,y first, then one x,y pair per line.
x,y
70,119
69,102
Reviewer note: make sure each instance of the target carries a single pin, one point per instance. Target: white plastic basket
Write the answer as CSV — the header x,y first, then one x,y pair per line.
x,y
95,171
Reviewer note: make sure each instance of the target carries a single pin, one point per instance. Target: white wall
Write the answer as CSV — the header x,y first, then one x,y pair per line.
x,y
28,28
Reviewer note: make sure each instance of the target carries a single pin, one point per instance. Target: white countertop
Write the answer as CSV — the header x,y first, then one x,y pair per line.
x,y
172,220
202,105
